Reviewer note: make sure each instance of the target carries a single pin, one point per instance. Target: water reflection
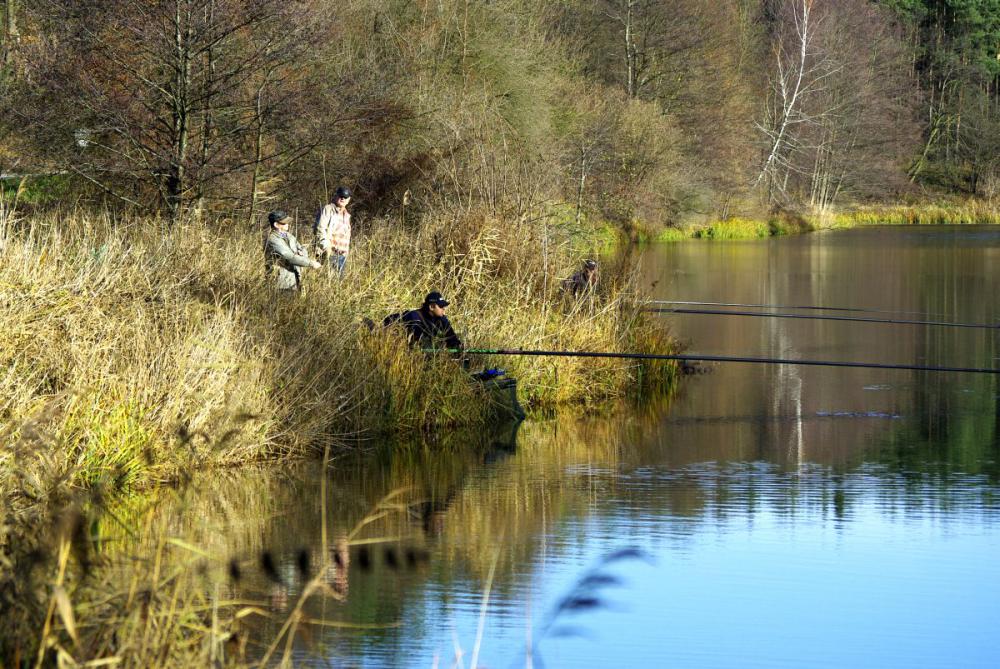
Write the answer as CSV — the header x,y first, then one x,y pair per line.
x,y
568,492
795,516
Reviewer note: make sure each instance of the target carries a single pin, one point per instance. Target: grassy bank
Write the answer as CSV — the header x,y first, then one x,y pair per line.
x,y
942,213
134,352
968,212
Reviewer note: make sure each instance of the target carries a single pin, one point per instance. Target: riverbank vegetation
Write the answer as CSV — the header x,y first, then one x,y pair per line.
x,y
139,350
640,114
943,212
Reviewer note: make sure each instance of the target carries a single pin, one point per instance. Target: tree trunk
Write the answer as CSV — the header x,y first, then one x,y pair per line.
x,y
176,180
629,50
579,189
206,131
10,34
258,152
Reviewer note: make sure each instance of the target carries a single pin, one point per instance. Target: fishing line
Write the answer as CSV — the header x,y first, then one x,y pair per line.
x,y
857,319
791,306
722,358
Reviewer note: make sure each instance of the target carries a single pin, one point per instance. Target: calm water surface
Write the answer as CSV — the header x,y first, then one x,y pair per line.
x,y
784,516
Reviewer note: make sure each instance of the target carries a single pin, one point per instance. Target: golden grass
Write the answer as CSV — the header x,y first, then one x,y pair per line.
x,y
735,228
943,213
153,349
135,353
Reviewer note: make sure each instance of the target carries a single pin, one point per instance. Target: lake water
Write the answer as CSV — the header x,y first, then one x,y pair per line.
x,y
770,515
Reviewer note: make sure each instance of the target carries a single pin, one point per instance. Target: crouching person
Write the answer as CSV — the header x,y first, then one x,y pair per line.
x,y
428,327
284,257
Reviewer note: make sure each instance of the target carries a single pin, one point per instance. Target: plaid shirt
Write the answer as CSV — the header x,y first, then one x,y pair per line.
x,y
332,230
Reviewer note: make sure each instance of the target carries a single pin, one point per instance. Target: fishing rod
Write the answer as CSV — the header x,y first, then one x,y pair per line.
x,y
857,319
810,307
719,358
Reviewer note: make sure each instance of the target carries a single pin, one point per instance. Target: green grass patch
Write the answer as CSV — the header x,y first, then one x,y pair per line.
x,y
970,212
735,228
672,234
35,189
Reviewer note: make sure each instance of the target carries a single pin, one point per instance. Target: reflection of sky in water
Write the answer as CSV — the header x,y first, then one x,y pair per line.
x,y
799,588
798,568
795,517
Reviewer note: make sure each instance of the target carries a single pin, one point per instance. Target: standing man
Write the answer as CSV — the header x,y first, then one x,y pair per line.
x,y
333,231
282,252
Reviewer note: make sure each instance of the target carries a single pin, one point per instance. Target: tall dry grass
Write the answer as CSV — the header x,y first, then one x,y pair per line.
x,y
150,349
134,352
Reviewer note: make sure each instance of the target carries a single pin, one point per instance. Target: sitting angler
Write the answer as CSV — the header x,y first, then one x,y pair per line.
x,y
428,326
583,282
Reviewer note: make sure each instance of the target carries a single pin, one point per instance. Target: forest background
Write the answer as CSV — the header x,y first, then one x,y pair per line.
x,y
639,113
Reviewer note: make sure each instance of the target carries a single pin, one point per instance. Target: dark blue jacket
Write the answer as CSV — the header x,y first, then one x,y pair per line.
x,y
429,331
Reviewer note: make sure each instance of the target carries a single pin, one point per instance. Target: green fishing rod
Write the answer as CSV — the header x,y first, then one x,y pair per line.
x,y
856,319
717,358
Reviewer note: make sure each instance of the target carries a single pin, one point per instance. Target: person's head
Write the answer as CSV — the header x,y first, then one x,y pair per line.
x,y
435,304
590,267
279,220
342,196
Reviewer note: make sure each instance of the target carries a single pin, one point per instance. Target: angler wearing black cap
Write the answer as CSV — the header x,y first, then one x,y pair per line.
x,y
428,326
332,231
284,257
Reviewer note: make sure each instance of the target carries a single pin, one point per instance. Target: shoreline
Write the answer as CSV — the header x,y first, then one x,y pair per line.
x,y
971,212
138,355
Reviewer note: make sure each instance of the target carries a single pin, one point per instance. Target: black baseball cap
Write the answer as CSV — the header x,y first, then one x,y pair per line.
x,y
278,216
434,297
342,191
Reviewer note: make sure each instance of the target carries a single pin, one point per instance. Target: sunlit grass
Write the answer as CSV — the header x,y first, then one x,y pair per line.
x,y
735,228
968,212
135,353
152,349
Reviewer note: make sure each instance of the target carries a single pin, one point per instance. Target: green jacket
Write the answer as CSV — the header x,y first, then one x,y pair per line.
x,y
284,259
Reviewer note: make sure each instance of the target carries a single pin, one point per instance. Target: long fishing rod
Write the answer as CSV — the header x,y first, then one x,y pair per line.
x,y
721,358
858,319
810,307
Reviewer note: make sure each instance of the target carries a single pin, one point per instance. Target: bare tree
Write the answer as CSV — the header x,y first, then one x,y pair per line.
x,y
167,93
799,71
838,108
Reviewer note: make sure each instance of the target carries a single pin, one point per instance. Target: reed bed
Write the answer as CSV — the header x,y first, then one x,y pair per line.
x,y
781,223
135,352
965,212
968,212
735,228
149,349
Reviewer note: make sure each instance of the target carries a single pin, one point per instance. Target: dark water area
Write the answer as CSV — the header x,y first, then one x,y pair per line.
x,y
769,515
